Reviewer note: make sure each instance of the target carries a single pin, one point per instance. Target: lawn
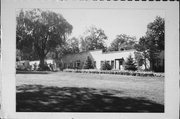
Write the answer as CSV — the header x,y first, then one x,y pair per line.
x,y
78,92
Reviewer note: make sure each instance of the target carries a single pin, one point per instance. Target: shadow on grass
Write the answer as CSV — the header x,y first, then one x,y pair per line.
x,y
33,72
38,98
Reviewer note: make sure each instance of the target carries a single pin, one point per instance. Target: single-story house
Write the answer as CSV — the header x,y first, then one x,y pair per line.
x,y
114,58
33,65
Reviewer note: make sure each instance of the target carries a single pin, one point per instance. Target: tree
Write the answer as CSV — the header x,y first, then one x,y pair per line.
x,y
142,46
94,39
153,43
69,47
88,64
106,66
122,41
155,33
130,64
72,45
139,59
40,32
155,39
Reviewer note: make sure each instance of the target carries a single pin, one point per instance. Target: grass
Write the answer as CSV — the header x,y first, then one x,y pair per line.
x,y
74,92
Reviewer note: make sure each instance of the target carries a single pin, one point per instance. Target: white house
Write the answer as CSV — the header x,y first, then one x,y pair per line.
x,y
115,59
48,61
25,64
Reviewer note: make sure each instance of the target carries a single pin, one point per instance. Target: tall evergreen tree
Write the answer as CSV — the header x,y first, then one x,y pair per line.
x,y
88,64
153,42
130,64
106,66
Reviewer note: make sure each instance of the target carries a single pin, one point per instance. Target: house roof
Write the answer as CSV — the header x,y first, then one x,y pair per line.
x,y
102,51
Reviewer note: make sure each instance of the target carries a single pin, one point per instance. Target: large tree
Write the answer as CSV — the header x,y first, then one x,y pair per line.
x,y
155,33
40,32
122,41
94,39
153,42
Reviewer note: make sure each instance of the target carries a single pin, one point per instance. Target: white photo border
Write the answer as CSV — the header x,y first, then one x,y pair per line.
x,y
9,55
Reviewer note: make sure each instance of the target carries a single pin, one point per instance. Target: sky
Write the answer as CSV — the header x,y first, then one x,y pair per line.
x,y
112,21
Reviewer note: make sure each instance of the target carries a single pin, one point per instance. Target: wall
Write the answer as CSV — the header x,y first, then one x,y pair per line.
x,y
97,56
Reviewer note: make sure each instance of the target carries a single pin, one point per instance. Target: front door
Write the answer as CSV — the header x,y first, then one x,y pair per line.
x,y
117,64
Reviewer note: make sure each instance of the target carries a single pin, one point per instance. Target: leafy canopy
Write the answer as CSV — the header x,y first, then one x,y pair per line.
x,y
122,41
40,31
130,64
94,39
153,42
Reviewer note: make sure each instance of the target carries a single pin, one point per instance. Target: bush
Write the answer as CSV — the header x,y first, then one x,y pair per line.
x,y
116,72
88,64
106,66
43,68
130,64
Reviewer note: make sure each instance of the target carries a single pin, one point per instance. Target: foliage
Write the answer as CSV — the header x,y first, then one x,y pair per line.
x,y
106,66
94,39
88,64
155,33
130,64
69,47
139,58
116,72
72,46
122,41
142,47
39,32
153,42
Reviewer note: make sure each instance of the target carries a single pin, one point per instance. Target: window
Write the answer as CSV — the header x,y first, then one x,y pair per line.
x,y
78,64
68,65
102,63
74,64
71,65
121,61
112,63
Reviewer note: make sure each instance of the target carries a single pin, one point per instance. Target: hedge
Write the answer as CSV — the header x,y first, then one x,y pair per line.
x,y
116,72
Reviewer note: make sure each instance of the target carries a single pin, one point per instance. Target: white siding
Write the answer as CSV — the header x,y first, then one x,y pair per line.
x,y
98,56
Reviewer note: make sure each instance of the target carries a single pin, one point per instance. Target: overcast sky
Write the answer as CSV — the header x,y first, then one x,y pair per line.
x,y
112,21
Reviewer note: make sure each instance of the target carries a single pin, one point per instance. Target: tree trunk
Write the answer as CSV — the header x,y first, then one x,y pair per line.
x,y
41,64
145,64
152,65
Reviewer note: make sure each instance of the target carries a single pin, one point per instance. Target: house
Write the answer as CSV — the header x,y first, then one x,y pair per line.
x,y
30,65
48,61
114,58
22,65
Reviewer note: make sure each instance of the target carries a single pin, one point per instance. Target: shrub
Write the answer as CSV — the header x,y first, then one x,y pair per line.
x,y
106,66
130,64
131,73
88,64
